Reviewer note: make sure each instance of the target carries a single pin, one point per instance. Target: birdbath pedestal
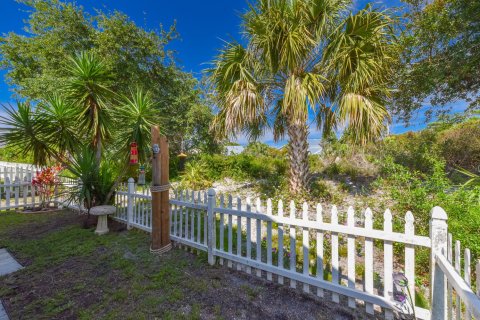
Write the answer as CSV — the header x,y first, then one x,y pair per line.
x,y
102,212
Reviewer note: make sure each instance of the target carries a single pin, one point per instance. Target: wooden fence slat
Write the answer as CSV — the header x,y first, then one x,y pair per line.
x,y
230,230
306,246
458,305
180,227
335,259
467,276
249,235
17,190
293,248
369,260
7,193
192,219
221,226
388,263
199,221
239,232
320,260
269,238
258,249
410,254
174,214
449,285
205,220
280,240
351,256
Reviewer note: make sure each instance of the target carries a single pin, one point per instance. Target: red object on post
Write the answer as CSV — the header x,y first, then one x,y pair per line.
x,y
133,153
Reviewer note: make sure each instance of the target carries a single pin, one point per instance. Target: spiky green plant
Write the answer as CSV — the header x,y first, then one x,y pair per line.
x,y
135,115
304,57
89,89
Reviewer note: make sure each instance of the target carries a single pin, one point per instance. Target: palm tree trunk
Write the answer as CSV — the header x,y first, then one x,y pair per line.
x,y
298,156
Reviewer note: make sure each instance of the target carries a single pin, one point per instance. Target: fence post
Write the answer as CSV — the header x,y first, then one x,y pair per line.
x,y
211,226
438,236
130,202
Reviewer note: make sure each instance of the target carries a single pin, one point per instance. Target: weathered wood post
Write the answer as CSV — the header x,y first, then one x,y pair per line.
x,y
438,235
160,194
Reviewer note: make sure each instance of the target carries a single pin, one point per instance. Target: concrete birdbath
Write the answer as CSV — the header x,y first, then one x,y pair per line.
x,y
102,212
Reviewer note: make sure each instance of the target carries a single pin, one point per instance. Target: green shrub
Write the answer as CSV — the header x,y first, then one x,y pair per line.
x,y
460,145
195,176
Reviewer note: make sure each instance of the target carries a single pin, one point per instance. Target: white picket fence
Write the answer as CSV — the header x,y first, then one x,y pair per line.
x,y
262,238
12,170
24,172
18,194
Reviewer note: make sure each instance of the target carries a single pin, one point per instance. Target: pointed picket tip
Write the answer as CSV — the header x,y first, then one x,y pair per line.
x,y
387,215
280,203
438,213
305,211
305,206
334,209
319,212
292,205
409,217
350,216
269,206
368,213
258,204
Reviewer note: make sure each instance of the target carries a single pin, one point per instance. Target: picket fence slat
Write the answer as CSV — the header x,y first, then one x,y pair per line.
x,y
306,247
269,238
320,260
457,268
293,245
230,230
280,241
249,235
351,256
335,258
258,249
369,260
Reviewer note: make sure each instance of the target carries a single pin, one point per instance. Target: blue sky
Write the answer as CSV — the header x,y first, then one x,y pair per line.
x,y
202,25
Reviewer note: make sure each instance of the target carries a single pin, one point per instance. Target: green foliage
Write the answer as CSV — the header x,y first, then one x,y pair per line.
x,y
441,50
135,116
127,56
96,182
195,176
460,145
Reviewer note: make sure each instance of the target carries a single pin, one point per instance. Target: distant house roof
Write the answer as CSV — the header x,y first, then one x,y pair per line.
x,y
231,150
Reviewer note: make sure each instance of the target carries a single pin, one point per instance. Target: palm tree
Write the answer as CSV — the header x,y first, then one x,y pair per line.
x,y
304,57
88,88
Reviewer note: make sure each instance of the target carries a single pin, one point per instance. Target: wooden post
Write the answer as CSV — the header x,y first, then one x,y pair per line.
x,y
160,199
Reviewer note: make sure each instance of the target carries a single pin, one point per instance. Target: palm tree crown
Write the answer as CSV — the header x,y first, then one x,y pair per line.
x,y
304,57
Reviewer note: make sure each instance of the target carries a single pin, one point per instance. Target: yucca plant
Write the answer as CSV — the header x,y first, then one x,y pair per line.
x,y
88,87
135,114
304,57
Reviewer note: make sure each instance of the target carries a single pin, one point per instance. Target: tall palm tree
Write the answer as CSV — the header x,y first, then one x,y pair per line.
x,y
88,88
304,57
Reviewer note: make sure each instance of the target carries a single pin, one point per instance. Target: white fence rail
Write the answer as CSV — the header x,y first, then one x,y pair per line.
x,y
302,248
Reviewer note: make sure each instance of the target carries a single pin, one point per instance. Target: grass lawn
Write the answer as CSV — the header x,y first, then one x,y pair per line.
x,y
71,273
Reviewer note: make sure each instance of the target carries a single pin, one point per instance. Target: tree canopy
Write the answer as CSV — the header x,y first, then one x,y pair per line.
x,y
441,56
37,62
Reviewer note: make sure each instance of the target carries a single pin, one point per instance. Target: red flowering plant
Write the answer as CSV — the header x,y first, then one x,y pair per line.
x,y
46,182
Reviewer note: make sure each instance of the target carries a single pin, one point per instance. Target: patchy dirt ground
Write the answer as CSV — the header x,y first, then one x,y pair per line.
x,y
73,274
